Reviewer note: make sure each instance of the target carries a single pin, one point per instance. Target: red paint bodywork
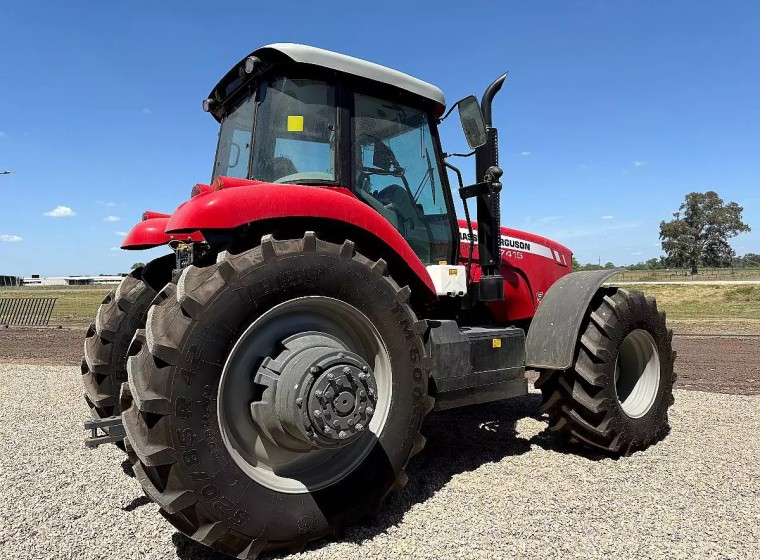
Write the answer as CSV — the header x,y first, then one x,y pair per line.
x,y
527,274
530,263
151,232
250,201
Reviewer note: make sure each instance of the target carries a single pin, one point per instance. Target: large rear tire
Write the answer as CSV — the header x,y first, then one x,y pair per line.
x,y
616,396
276,396
123,311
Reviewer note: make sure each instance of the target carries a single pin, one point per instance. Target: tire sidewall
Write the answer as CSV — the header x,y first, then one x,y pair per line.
x,y
203,463
641,431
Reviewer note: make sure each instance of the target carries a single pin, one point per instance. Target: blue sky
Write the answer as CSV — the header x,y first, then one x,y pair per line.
x,y
613,111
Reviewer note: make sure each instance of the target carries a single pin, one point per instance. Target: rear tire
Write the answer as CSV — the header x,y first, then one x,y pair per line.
x,y
617,394
123,311
242,495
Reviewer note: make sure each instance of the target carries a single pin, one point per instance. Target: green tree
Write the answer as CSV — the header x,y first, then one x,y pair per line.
x,y
576,264
137,265
700,230
609,264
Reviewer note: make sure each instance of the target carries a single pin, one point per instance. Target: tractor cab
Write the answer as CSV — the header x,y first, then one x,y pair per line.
x,y
292,114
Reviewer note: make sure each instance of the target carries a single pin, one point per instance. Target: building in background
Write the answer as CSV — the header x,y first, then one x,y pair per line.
x,y
37,280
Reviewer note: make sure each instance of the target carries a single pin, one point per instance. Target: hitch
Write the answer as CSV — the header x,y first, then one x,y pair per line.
x,y
104,430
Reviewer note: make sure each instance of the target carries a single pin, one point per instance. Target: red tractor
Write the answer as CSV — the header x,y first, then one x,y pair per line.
x,y
269,379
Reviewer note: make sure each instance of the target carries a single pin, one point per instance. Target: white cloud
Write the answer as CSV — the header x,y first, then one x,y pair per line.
x,y
526,154
121,233
10,238
112,218
548,219
608,217
639,163
146,111
636,253
110,204
60,212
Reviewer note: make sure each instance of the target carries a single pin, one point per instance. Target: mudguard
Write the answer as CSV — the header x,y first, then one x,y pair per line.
x,y
553,332
233,207
151,233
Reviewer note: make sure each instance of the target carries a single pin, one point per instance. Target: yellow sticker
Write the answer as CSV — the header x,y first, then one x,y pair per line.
x,y
442,263
453,272
295,123
496,342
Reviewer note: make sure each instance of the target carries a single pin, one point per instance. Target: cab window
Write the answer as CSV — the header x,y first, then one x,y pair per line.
x,y
397,173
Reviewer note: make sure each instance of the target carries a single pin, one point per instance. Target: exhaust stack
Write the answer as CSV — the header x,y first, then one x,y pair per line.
x,y
491,283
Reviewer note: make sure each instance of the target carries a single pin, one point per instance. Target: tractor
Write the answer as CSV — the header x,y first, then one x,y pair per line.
x,y
268,378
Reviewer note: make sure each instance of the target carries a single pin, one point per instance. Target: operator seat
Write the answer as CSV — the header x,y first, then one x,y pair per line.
x,y
410,218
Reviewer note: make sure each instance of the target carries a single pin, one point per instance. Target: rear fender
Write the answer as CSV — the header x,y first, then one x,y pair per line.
x,y
553,333
231,208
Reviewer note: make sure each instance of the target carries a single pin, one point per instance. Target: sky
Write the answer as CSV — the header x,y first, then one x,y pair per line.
x,y
613,110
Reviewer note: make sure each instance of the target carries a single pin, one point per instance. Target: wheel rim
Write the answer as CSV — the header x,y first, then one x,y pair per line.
x,y
637,373
248,433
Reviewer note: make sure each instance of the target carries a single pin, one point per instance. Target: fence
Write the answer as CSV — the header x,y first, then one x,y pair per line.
x,y
26,311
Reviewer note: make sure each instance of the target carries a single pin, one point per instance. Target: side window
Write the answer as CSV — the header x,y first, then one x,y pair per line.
x,y
397,174
235,137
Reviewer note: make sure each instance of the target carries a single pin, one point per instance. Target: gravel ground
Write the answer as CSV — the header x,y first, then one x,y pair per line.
x,y
490,484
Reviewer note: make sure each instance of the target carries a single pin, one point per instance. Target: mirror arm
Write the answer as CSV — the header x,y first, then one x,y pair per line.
x,y
444,117
447,155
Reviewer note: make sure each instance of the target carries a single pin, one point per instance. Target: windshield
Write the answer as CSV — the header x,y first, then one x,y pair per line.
x,y
397,173
295,132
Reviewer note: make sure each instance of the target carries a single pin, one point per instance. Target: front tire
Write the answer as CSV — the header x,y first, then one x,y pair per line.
x,y
229,388
616,396
123,311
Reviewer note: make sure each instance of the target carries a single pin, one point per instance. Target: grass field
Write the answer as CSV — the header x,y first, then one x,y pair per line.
x,y
75,305
684,276
684,303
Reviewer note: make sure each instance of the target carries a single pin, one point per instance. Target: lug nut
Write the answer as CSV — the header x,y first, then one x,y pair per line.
x,y
370,410
317,413
330,377
362,393
336,423
365,369
313,369
342,435
346,369
299,401
319,393
359,427
341,355
351,421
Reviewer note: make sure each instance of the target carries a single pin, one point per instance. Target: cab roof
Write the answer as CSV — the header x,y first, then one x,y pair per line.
x,y
304,54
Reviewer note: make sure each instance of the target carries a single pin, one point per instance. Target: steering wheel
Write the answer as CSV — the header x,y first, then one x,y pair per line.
x,y
277,168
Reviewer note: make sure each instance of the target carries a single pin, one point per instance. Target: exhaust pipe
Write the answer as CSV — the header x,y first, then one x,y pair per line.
x,y
491,283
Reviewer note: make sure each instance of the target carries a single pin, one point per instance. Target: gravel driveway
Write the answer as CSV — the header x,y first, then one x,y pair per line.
x,y
490,484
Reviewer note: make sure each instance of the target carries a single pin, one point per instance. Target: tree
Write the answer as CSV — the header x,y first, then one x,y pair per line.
x,y
137,265
700,230
576,264
609,265
750,260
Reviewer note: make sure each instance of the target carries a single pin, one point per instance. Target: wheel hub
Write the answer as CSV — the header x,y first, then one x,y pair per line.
x,y
321,395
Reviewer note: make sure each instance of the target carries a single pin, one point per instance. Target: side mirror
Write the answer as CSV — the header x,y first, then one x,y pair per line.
x,y
473,124
382,157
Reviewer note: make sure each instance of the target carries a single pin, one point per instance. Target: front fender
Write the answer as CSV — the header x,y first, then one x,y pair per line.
x,y
553,333
151,232
234,207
